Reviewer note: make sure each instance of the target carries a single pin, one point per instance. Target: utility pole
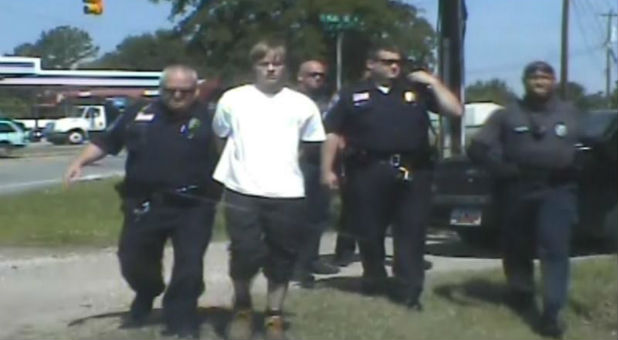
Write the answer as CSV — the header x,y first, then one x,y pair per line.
x,y
339,57
451,25
609,54
564,52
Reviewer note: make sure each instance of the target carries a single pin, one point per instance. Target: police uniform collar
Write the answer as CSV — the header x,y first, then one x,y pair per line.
x,y
175,116
539,105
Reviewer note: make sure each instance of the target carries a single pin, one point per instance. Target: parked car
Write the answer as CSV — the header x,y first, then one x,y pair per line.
x,y
12,136
467,200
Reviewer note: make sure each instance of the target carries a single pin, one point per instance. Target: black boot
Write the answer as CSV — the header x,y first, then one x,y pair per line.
x,y
552,326
139,312
522,302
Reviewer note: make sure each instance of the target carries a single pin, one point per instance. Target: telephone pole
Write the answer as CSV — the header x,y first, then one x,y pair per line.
x,y
609,53
564,52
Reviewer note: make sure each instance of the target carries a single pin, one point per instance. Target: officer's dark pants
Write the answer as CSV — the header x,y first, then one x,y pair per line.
x,y
345,245
141,250
378,199
317,198
541,217
265,233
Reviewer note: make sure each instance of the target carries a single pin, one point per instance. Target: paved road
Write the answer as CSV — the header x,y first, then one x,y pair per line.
x,y
21,174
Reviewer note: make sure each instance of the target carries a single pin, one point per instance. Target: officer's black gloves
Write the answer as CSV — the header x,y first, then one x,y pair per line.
x,y
481,154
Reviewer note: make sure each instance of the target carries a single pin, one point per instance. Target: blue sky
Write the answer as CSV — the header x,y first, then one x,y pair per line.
x,y
502,36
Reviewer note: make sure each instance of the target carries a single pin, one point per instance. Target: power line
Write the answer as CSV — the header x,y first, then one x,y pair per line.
x,y
580,26
593,12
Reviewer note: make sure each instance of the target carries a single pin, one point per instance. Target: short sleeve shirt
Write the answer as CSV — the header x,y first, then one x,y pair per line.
x,y
164,150
263,132
385,121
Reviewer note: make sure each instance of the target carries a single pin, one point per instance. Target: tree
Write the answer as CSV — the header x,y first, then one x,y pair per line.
x,y
577,94
223,31
494,90
147,52
60,48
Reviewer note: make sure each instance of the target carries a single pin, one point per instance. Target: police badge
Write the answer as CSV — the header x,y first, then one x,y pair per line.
x,y
561,130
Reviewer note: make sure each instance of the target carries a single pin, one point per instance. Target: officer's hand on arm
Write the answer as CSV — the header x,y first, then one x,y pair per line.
x,y
329,152
446,101
90,154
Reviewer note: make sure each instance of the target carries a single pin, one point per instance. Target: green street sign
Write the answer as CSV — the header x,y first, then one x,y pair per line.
x,y
340,22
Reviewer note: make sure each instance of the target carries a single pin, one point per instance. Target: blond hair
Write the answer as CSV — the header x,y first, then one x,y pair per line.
x,y
261,48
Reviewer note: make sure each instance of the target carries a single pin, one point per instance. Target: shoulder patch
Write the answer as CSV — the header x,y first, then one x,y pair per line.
x,y
561,129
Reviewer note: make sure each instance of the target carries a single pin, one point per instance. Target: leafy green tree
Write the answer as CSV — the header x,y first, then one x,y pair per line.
x,y
494,90
221,32
147,52
60,48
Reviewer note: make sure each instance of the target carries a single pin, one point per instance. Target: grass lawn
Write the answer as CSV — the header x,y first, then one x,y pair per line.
x,y
88,214
458,305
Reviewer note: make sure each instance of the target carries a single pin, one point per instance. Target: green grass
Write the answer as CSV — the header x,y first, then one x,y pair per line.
x,y
458,305
88,214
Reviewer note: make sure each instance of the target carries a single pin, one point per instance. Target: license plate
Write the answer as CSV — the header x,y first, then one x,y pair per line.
x,y
466,217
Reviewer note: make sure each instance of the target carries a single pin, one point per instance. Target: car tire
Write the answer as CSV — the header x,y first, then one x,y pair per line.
x,y
75,137
5,150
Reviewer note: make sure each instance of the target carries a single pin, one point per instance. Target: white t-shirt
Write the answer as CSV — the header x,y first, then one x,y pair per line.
x,y
263,132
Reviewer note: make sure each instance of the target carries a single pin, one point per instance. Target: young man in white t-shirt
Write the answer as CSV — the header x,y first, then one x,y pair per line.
x,y
263,124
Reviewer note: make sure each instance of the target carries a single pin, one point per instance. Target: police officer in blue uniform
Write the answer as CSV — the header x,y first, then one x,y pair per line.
x,y
167,193
384,121
530,148
312,82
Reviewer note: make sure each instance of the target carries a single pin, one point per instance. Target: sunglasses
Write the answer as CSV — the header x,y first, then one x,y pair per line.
x,y
316,74
183,91
390,61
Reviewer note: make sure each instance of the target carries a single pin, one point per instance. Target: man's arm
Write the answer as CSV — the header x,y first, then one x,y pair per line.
x,y
91,153
221,122
329,152
447,103
484,144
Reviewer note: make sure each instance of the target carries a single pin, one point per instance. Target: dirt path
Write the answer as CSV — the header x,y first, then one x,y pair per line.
x,y
42,291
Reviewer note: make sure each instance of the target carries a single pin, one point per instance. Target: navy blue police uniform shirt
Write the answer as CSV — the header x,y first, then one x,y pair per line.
x,y
393,122
165,151
542,138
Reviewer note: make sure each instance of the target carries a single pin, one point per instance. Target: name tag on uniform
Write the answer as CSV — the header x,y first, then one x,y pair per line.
x,y
521,129
409,96
360,96
144,117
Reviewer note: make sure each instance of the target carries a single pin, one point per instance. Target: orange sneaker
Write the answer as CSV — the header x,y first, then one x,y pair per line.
x,y
241,326
274,328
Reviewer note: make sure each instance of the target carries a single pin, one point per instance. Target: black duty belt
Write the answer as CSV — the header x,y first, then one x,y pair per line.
x,y
404,163
181,195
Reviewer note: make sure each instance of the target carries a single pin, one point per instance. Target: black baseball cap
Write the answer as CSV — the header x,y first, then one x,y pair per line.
x,y
538,66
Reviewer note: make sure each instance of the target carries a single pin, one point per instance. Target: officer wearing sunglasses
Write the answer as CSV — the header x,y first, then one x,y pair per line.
x,y
167,193
384,121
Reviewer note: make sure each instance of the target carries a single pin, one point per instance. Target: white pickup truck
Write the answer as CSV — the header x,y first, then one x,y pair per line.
x,y
84,122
